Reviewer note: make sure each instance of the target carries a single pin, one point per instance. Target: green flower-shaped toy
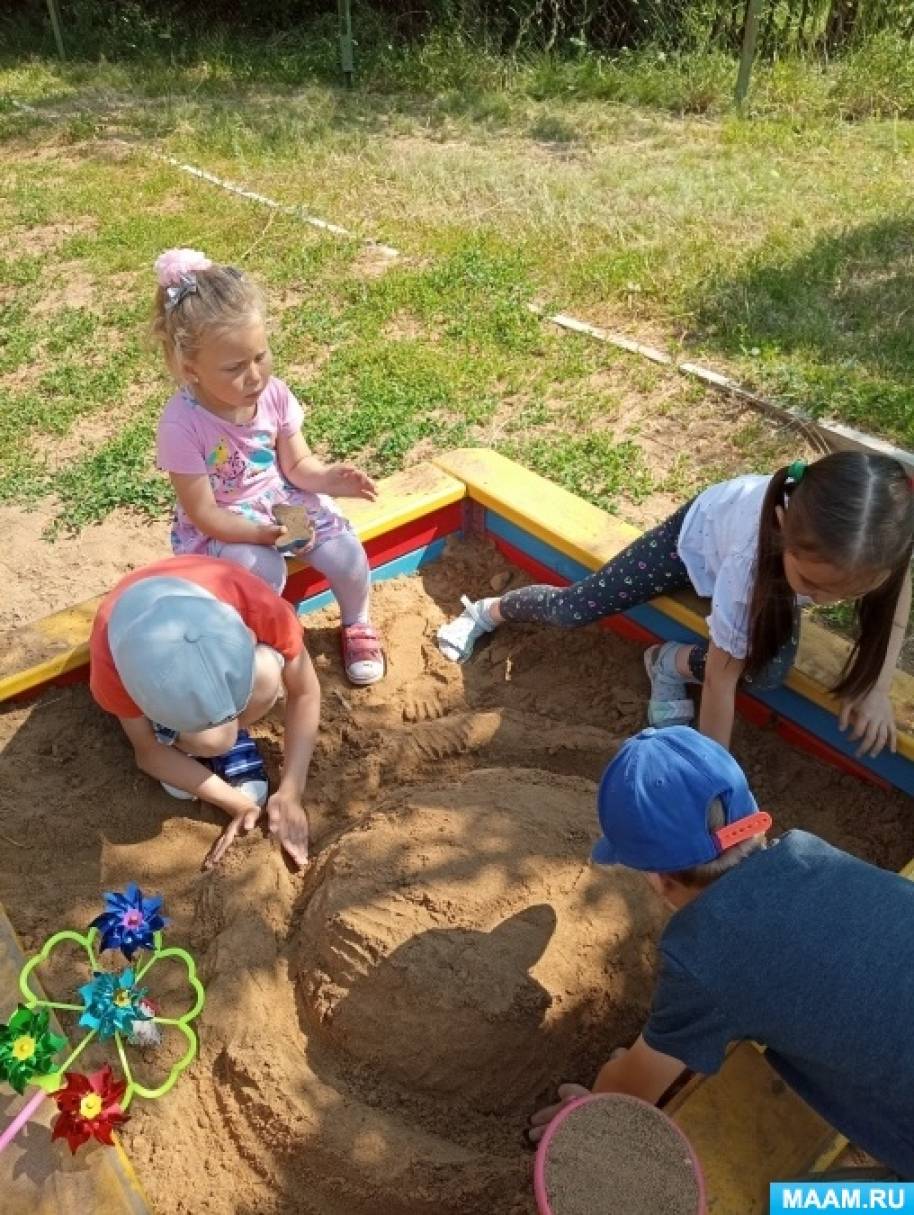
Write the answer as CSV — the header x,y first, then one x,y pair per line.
x,y
112,1006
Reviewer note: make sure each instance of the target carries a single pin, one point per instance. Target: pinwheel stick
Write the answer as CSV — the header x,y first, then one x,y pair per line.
x,y
33,1104
28,1111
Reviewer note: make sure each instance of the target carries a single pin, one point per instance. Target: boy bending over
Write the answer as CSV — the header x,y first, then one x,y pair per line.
x,y
187,653
790,943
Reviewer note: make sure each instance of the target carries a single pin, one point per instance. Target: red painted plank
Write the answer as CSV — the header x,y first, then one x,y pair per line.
x,y
386,547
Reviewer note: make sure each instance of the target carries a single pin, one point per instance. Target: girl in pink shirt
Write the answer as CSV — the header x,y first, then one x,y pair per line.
x,y
230,439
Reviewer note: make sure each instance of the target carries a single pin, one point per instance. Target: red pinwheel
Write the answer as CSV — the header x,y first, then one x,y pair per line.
x,y
112,1007
89,1108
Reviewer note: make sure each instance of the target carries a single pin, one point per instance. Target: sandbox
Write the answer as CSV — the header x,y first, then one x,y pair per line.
x,y
378,1030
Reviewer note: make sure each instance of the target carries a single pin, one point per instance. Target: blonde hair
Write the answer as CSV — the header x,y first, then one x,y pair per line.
x,y
215,299
704,875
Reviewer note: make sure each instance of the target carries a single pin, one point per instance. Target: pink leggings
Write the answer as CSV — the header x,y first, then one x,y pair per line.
x,y
341,559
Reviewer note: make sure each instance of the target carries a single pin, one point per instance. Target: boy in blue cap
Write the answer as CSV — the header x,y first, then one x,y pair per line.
x,y
790,943
189,652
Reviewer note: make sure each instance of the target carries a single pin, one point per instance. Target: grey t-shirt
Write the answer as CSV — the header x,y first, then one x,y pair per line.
x,y
810,952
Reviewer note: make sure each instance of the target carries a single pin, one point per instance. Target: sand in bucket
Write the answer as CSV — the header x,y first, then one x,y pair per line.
x,y
613,1155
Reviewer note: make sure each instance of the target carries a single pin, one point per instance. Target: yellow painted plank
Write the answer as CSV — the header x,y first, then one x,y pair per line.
x,y
578,529
39,1177
51,647
748,1129
41,672
589,535
403,497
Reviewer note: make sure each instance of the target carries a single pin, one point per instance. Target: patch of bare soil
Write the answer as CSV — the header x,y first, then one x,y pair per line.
x,y
42,576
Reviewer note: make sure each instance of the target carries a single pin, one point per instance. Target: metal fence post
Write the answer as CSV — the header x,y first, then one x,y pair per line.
x,y
750,39
344,7
55,26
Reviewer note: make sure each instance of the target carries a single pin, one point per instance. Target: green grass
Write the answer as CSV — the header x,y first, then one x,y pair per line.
x,y
621,190
119,473
594,466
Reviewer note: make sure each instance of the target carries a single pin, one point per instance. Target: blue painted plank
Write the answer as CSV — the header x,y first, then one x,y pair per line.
x,y
407,564
784,701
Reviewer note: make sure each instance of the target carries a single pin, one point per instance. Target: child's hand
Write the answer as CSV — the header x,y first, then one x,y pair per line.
x,y
241,822
541,1119
873,720
289,825
270,533
346,481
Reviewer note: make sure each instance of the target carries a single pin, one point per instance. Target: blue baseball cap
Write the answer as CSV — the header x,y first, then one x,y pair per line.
x,y
185,657
654,799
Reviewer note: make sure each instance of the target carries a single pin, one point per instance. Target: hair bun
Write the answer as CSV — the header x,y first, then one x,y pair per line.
x,y
174,264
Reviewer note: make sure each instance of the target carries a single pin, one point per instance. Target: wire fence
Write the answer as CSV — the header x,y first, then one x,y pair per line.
x,y
786,27
750,29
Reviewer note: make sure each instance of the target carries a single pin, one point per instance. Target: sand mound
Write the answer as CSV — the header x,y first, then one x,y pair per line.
x,y
470,964
453,951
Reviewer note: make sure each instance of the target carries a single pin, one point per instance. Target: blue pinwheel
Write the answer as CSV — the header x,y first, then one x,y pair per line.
x,y
112,1003
112,1006
129,921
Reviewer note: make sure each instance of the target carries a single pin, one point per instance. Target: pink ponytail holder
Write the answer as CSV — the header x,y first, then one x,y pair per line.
x,y
175,265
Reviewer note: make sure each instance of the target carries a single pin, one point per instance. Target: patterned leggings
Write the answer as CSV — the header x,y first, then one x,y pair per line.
x,y
649,567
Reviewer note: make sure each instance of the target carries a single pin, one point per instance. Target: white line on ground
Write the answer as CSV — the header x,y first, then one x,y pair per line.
x,y
832,433
242,191
285,208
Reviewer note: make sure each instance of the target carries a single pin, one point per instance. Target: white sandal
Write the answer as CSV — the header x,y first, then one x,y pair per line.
x,y
457,638
662,712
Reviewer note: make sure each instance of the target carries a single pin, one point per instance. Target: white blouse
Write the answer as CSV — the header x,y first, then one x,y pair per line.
x,y
718,545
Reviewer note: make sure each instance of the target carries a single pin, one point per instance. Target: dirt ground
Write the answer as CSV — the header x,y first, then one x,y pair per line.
x,y
40,576
378,1028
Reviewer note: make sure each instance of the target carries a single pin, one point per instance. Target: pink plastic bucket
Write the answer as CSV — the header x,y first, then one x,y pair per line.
x,y
543,1149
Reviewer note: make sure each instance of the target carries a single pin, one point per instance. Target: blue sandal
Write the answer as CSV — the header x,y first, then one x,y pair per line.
x,y
241,767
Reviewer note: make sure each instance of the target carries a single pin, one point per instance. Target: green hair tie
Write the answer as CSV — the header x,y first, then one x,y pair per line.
x,y
796,471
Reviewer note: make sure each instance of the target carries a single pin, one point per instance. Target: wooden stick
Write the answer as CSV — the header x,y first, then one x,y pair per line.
x,y
750,38
55,26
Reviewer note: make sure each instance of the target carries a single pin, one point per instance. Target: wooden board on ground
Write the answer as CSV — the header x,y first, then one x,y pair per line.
x,y
748,1128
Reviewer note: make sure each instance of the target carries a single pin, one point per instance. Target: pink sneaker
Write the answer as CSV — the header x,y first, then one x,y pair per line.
x,y
363,657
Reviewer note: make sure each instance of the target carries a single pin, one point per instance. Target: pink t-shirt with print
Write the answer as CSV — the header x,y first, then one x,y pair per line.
x,y
240,460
